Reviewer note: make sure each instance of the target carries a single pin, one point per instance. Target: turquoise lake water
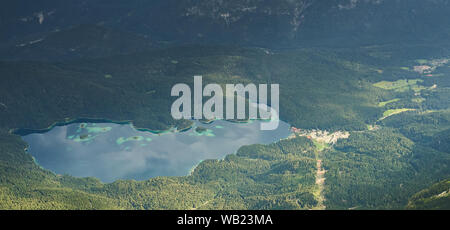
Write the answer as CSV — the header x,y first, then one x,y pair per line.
x,y
112,151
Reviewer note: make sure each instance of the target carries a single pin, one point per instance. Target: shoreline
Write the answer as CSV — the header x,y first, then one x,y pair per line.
x,y
27,131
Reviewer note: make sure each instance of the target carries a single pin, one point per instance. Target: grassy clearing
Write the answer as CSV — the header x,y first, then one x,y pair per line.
x,y
384,103
391,112
320,145
418,100
422,61
401,85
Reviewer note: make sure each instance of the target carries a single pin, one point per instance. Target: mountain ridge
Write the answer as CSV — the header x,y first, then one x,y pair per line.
x,y
268,23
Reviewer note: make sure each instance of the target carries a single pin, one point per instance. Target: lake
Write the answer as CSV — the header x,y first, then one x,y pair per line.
x,y
111,151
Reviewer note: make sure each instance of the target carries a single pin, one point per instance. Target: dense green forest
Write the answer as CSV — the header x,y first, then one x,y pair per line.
x,y
435,197
380,170
398,145
137,87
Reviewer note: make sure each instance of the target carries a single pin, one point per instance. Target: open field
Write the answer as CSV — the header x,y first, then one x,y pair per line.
x,y
401,85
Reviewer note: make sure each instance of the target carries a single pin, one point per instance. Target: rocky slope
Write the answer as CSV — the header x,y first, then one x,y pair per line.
x,y
270,23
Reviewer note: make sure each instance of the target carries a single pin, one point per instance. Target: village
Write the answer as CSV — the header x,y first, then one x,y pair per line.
x,y
320,135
